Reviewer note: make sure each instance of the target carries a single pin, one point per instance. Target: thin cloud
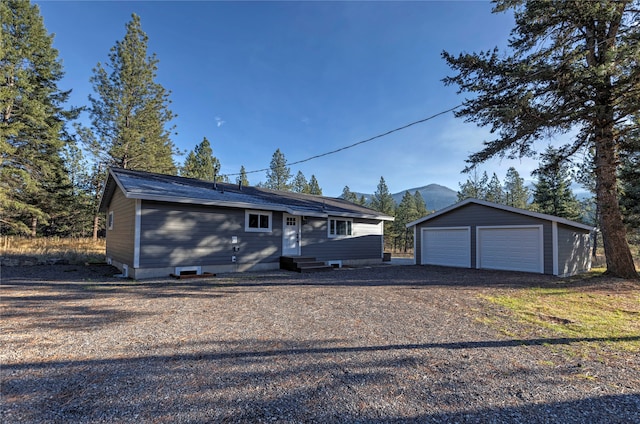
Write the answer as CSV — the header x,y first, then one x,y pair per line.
x,y
219,121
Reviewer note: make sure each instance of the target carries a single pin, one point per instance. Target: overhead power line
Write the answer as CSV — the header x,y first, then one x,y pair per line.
x,y
375,137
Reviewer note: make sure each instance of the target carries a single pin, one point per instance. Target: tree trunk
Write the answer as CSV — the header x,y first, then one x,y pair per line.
x,y
614,234
34,226
96,224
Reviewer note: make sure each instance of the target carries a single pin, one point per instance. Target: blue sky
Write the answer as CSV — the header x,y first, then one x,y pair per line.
x,y
304,77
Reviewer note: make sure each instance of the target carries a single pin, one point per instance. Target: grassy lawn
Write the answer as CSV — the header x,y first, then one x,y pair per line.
x,y
597,312
73,250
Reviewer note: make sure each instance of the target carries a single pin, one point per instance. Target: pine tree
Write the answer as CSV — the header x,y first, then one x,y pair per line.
x,y
314,187
552,193
571,66
279,173
474,187
32,133
630,177
406,212
348,195
383,202
516,194
130,113
300,184
242,178
421,205
494,191
201,163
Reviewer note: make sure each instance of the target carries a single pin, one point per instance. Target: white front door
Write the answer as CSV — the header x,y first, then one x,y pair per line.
x,y
290,235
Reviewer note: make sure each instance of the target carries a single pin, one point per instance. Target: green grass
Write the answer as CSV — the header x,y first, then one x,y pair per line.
x,y
606,315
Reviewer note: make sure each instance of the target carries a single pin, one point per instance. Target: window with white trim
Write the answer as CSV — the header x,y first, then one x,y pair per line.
x,y
110,220
340,227
257,221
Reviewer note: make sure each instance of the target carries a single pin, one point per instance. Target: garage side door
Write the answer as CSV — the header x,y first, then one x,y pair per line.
x,y
446,246
510,248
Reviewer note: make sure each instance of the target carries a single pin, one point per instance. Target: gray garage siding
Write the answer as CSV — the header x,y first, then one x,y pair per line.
x,y
366,242
475,215
182,235
120,239
574,254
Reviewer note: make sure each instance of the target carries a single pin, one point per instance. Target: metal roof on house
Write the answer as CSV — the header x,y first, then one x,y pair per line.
x,y
524,212
170,188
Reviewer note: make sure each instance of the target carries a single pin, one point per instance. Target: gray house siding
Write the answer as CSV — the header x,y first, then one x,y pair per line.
x,y
187,235
121,237
475,215
366,242
574,254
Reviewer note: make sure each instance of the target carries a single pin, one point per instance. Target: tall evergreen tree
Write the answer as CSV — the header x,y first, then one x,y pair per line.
x,y
406,212
300,184
348,195
201,163
314,187
475,187
279,173
421,205
494,191
630,177
242,178
32,119
571,65
130,115
382,201
552,193
516,194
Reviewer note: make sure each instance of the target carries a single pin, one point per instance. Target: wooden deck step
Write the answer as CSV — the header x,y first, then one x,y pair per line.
x,y
303,264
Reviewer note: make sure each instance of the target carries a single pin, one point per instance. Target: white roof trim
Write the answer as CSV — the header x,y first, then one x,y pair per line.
x,y
502,207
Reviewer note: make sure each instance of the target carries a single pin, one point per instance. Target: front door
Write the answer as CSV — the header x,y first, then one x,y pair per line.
x,y
290,235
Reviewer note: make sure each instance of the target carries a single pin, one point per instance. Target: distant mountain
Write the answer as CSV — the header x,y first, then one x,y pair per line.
x,y
435,196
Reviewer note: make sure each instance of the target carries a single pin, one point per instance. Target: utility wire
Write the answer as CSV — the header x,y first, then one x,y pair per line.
x,y
567,60
375,137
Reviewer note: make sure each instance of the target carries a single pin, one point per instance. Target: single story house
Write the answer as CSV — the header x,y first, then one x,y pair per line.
x,y
484,235
159,225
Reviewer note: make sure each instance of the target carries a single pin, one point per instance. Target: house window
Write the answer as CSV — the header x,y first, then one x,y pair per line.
x,y
110,220
340,227
257,221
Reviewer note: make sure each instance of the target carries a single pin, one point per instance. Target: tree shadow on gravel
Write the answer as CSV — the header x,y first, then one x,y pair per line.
x,y
320,381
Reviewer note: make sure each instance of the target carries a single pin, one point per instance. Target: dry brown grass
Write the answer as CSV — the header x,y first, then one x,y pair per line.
x,y
73,250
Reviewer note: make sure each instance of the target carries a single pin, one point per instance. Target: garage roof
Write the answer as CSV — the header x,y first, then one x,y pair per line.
x,y
504,208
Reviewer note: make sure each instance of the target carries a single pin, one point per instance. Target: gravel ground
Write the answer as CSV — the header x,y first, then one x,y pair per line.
x,y
386,344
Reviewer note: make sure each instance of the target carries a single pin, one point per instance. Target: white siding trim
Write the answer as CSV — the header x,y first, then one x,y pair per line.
x,y
136,234
498,227
554,246
415,243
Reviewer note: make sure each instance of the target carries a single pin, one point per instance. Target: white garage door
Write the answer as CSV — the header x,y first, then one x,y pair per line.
x,y
446,246
510,248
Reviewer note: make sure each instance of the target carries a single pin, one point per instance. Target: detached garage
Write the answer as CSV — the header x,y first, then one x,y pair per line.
x,y
484,235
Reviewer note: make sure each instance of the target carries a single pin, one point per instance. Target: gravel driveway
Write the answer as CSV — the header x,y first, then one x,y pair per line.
x,y
387,344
